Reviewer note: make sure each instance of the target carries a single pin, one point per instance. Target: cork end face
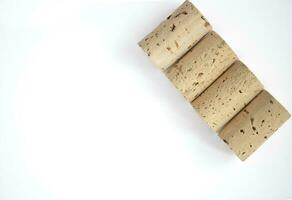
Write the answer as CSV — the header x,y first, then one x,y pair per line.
x,y
252,126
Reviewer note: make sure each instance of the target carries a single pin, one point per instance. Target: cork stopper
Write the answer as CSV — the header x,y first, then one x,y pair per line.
x,y
201,66
246,132
227,95
209,75
178,33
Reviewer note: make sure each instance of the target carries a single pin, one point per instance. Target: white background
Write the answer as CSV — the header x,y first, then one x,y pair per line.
x,y
85,115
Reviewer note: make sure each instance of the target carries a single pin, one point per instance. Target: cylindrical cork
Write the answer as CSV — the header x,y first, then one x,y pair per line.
x,y
254,125
201,66
175,36
227,95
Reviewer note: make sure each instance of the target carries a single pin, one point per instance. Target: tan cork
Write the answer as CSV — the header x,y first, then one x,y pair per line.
x,y
227,95
209,75
254,125
175,36
201,66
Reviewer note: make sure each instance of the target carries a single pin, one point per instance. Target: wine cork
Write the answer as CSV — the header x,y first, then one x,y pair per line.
x,y
201,66
227,95
175,36
254,125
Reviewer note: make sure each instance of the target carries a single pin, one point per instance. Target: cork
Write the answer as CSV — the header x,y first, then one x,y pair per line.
x,y
246,132
209,75
201,66
227,95
178,33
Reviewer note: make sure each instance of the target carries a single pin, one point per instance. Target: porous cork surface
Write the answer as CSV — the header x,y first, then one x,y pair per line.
x,y
210,76
227,95
179,32
201,66
254,125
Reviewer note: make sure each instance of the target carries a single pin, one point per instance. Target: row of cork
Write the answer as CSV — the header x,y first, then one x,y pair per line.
x,y
208,73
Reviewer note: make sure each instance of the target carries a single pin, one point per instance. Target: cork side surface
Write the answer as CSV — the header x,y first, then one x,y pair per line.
x,y
234,89
201,66
246,132
178,33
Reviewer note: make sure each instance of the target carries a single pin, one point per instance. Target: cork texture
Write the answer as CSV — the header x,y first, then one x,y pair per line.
x,y
254,125
210,76
227,95
175,36
201,66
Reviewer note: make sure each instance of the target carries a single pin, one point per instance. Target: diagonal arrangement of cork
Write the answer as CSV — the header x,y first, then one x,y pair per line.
x,y
207,72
